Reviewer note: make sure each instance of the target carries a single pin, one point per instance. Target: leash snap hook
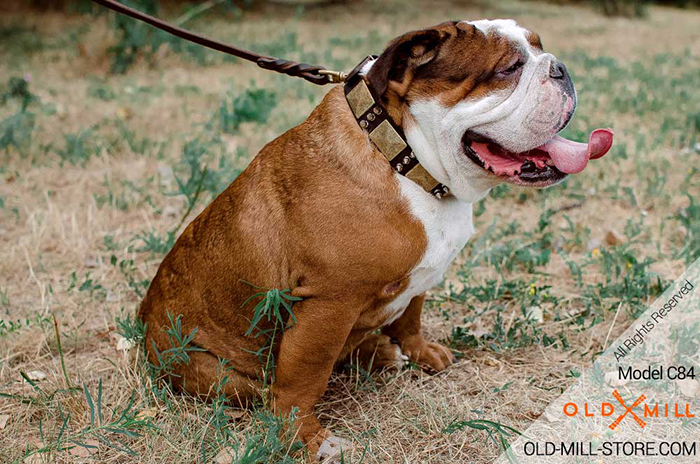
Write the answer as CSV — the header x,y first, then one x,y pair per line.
x,y
334,77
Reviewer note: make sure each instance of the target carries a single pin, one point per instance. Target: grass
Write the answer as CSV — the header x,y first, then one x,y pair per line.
x,y
112,138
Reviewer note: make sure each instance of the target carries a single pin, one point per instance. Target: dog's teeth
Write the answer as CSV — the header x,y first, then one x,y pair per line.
x,y
549,162
528,166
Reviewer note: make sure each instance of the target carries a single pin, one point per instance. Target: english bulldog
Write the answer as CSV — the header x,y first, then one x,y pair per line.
x,y
326,212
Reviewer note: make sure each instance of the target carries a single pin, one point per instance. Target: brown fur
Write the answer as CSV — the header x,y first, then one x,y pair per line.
x,y
318,211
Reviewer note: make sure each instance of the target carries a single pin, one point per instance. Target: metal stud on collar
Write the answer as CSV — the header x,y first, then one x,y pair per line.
x,y
385,135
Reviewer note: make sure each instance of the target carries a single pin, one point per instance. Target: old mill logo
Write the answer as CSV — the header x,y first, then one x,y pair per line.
x,y
608,409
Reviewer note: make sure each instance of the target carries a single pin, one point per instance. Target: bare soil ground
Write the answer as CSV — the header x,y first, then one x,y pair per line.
x,y
98,169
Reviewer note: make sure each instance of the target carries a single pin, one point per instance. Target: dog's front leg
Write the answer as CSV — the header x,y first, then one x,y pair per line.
x,y
407,330
307,353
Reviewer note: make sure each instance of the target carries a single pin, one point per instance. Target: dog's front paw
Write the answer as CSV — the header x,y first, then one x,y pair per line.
x,y
332,450
313,438
427,354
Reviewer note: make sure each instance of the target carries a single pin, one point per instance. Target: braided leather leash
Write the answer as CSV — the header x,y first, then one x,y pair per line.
x,y
315,74
365,103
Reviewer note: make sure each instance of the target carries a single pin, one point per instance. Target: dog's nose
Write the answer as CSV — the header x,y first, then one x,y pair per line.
x,y
557,70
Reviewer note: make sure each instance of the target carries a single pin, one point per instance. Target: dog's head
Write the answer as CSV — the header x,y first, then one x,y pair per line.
x,y
481,103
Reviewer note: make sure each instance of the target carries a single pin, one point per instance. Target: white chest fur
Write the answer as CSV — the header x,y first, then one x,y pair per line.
x,y
448,226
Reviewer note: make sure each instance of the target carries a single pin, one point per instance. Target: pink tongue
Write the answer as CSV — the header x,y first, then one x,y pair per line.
x,y
572,157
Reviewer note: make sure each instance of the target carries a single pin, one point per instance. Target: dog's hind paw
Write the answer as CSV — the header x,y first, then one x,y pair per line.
x,y
377,352
332,450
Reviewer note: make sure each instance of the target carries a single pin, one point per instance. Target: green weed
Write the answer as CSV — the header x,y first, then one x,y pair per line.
x,y
271,304
87,285
253,105
10,326
154,243
689,218
269,440
112,433
16,130
17,89
497,433
125,194
137,40
178,353
129,271
131,328
78,148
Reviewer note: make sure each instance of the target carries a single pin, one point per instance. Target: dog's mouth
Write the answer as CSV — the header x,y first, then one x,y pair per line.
x,y
541,166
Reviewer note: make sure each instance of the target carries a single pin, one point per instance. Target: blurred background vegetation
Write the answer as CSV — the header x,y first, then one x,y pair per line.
x,y
629,8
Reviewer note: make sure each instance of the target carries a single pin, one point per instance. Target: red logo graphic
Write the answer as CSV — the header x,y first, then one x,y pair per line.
x,y
628,410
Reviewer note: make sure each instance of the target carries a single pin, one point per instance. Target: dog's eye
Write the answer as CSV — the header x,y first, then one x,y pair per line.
x,y
512,69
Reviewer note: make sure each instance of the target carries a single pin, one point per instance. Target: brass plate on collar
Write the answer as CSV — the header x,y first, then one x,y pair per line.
x,y
360,99
422,177
387,140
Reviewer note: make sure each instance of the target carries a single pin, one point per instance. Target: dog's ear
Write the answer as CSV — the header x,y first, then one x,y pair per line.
x,y
399,61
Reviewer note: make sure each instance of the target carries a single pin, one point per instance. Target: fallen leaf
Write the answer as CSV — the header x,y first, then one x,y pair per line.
x,y
148,413
613,238
36,375
225,456
689,387
235,414
478,329
4,418
85,451
91,263
535,313
124,345
551,417
613,379
124,113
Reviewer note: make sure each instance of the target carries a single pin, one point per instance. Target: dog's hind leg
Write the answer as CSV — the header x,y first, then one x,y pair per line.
x,y
206,376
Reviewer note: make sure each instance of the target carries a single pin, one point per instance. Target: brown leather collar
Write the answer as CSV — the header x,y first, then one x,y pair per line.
x,y
384,134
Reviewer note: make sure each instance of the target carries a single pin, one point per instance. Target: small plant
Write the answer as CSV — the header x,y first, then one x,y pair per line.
x,y
124,194
138,40
135,38
111,433
18,90
270,439
254,105
497,433
87,284
16,130
101,91
155,244
627,8
272,302
131,328
128,270
78,148
11,326
689,219
178,353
